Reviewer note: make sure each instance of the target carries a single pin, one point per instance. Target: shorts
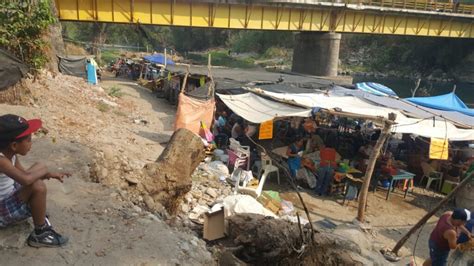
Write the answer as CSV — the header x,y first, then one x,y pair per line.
x,y
439,257
13,209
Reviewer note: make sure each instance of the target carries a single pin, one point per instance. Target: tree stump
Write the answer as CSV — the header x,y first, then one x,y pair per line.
x,y
169,178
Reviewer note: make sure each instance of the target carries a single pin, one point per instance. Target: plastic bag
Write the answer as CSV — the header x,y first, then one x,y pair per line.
x,y
287,207
218,168
307,176
240,176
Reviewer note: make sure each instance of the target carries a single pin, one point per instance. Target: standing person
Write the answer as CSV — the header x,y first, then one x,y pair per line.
x,y
326,169
294,153
23,191
443,238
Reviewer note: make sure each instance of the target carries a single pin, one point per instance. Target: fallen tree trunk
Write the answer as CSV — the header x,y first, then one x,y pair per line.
x,y
169,178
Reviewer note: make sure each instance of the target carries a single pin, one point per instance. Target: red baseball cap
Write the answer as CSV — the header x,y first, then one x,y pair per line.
x,y
13,127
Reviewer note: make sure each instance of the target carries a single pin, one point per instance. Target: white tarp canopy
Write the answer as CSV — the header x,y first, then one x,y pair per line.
x,y
256,109
409,108
419,126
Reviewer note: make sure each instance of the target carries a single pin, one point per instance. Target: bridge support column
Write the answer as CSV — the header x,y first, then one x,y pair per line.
x,y
316,53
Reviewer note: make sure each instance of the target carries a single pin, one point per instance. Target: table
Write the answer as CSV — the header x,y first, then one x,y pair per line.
x,y
350,181
400,175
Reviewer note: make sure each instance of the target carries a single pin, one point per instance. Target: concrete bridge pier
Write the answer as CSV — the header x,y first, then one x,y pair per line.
x,y
316,53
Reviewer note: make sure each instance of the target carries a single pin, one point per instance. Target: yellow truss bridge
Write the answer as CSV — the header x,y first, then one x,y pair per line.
x,y
399,17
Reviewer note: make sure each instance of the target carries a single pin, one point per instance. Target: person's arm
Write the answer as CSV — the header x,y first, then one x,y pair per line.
x,y
452,238
38,166
23,177
465,231
289,153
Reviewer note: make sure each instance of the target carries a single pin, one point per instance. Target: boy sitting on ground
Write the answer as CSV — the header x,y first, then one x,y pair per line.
x,y
22,191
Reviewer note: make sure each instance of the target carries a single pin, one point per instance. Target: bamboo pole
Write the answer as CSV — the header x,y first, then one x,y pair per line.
x,y
370,167
166,58
431,213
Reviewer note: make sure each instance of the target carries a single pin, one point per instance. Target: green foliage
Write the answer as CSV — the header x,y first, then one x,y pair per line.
x,y
260,41
221,58
115,91
411,54
22,24
110,55
189,39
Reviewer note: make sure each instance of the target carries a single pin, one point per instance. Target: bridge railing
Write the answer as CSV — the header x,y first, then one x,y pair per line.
x,y
422,5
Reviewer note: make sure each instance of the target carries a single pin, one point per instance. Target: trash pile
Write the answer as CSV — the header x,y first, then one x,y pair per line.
x,y
214,189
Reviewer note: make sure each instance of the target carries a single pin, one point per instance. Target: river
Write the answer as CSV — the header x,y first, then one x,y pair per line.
x,y
402,87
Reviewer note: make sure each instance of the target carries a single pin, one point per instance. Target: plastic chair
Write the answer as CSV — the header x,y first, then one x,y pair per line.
x,y
236,151
254,192
267,166
431,174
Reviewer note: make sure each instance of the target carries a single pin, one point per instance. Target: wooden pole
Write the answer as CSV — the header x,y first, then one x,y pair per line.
x,y
371,165
417,85
431,213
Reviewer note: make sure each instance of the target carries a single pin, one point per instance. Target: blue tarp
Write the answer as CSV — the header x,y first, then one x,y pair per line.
x,y
375,88
158,59
447,102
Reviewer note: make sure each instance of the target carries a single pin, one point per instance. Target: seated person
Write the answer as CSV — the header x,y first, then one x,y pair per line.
x,y
454,172
237,131
326,169
294,153
315,142
364,154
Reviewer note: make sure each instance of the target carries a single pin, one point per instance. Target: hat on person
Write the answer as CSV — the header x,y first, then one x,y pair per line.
x,y
13,127
461,214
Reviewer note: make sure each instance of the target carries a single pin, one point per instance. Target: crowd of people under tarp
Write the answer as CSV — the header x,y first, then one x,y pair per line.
x,y
322,151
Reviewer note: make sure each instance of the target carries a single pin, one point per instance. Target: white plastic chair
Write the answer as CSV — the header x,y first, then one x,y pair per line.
x,y
254,192
431,174
268,167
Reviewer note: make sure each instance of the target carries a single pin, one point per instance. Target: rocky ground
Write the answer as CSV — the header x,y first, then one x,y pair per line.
x,y
83,125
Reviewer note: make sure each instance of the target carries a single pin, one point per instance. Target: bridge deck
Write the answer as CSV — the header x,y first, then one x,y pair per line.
x,y
399,17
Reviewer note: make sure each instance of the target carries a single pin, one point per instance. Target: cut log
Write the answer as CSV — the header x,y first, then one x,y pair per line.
x,y
169,178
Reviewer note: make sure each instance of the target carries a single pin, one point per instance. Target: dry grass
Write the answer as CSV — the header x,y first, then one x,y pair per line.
x,y
74,49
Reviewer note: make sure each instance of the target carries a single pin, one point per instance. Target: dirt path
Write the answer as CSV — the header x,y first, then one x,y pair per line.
x,y
104,228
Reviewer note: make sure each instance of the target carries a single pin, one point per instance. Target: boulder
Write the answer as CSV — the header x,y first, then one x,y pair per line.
x,y
169,178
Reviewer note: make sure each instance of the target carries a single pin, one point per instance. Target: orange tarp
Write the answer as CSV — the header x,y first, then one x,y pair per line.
x,y
192,111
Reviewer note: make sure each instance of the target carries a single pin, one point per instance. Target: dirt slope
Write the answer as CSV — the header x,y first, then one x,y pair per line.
x,y
105,228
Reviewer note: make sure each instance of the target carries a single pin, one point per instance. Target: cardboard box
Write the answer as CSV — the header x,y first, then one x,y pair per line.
x,y
214,227
269,203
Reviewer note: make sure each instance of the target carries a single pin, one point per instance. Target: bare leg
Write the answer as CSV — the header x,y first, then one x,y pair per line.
x,y
35,196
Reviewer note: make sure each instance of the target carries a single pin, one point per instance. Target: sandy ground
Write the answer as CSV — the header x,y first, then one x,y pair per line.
x,y
104,228
388,220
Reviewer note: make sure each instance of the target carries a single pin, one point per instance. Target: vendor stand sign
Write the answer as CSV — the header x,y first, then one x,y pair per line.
x,y
439,149
266,130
